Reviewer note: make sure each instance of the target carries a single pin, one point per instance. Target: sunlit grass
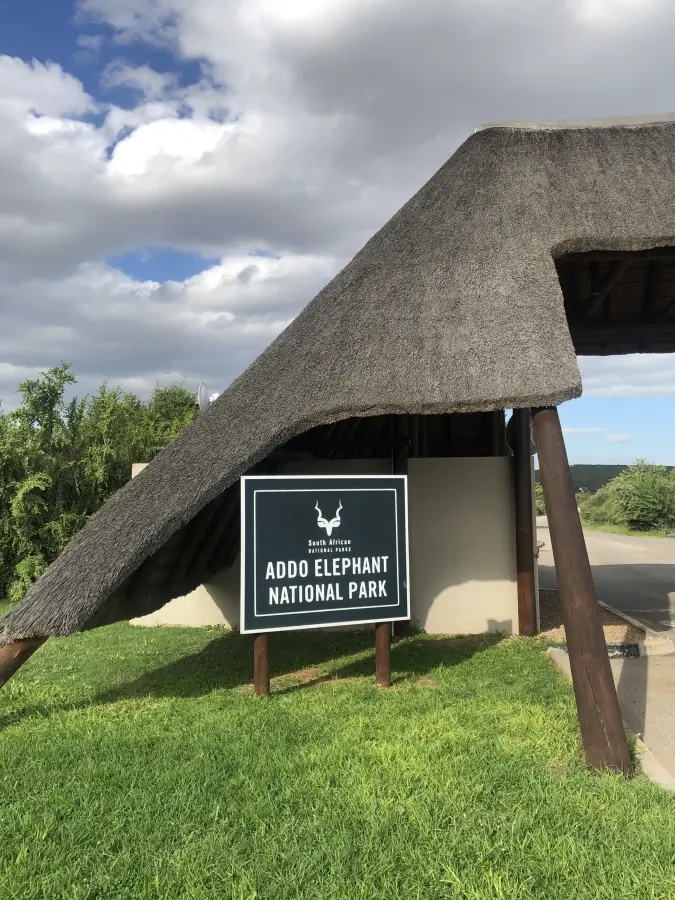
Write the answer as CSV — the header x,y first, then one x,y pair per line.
x,y
136,763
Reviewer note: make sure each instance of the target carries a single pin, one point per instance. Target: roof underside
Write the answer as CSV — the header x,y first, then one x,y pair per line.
x,y
211,541
618,303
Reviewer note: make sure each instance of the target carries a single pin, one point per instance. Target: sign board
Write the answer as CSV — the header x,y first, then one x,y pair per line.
x,y
323,550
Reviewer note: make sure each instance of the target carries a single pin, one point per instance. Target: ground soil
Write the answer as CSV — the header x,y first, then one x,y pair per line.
x,y
617,630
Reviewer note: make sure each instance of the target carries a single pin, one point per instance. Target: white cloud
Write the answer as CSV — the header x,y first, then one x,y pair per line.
x,y
92,42
618,438
574,432
208,327
42,87
311,124
639,375
150,84
609,437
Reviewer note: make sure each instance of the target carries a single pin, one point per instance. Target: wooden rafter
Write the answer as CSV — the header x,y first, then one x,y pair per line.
x,y
599,294
660,253
667,310
650,290
625,332
228,511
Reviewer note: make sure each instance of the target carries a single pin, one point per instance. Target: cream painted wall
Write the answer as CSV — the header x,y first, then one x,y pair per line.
x,y
462,549
462,545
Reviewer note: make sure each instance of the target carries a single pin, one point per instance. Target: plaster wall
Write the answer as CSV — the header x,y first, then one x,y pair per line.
x,y
462,548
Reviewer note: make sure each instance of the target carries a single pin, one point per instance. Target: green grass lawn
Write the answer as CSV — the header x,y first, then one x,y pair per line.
x,y
136,763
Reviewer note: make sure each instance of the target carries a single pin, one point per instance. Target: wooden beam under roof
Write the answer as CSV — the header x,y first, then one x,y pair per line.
x,y
599,294
650,290
666,311
658,332
633,257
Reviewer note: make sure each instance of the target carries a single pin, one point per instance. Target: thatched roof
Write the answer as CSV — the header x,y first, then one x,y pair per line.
x,y
453,306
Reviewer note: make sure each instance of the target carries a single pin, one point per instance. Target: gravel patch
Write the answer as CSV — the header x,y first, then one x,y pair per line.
x,y
617,631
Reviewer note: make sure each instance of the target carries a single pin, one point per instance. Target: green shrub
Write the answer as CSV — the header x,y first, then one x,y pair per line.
x,y
539,499
646,495
641,498
59,462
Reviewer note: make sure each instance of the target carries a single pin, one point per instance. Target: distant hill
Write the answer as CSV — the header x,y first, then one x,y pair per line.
x,y
589,477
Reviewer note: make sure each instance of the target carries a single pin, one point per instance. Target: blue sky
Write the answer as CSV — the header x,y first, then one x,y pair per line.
x,y
56,30
620,429
160,277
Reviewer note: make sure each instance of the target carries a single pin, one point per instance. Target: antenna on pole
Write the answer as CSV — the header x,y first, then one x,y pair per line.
x,y
203,398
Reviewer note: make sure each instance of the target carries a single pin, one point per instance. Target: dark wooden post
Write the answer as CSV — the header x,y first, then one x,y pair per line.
x,y
496,421
382,656
414,436
602,732
261,665
400,448
522,482
14,655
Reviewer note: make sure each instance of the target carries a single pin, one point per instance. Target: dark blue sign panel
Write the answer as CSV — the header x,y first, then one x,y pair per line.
x,y
323,550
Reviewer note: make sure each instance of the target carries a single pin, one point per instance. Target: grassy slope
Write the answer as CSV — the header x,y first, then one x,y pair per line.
x,y
619,529
135,763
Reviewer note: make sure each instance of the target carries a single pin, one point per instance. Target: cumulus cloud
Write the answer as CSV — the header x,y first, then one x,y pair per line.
x,y
310,124
206,328
618,438
575,432
609,437
638,375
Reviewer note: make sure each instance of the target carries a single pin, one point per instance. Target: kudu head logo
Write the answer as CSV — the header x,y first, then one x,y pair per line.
x,y
328,524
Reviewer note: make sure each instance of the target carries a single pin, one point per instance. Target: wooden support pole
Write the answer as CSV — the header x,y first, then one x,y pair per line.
x,y
14,655
522,482
495,432
602,732
414,436
400,448
382,656
261,665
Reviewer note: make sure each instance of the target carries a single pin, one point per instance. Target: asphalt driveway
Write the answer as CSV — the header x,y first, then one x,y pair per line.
x,y
635,575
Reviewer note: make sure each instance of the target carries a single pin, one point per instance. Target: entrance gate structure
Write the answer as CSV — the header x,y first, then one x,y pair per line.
x,y
534,243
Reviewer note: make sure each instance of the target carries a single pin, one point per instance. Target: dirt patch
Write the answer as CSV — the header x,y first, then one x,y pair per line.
x,y
469,640
617,630
307,677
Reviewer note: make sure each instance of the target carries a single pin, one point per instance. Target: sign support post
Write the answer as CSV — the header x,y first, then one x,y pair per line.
x,y
261,665
400,448
382,656
320,551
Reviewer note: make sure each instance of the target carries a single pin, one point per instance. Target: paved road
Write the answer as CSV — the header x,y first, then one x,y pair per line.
x,y
633,574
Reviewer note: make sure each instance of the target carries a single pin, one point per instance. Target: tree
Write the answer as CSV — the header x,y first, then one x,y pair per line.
x,y
539,499
59,462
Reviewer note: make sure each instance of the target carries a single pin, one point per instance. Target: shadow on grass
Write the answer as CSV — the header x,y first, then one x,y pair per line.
x,y
297,662
310,659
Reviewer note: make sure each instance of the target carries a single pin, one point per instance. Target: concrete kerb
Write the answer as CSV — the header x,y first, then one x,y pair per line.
x,y
654,644
649,764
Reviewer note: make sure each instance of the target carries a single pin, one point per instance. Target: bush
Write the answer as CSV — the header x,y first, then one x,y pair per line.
x,y
59,462
646,496
641,498
601,508
539,499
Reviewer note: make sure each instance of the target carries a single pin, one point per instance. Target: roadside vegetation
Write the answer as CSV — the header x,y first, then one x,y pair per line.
x,y
60,461
640,500
136,764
